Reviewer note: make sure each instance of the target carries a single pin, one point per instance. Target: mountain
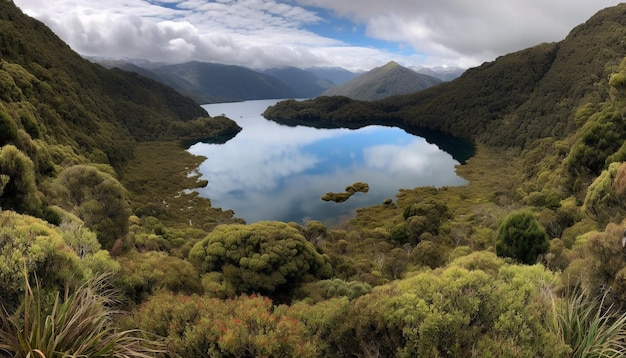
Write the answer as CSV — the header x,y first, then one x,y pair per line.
x,y
388,80
512,101
212,82
58,109
442,73
435,271
304,83
337,75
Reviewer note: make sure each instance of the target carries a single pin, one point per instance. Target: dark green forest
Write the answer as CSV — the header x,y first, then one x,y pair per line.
x,y
104,253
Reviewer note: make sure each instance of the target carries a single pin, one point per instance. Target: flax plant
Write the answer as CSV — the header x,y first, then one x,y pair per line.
x,y
79,324
589,327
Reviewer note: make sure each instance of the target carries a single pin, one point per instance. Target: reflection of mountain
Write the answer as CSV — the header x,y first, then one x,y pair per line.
x,y
461,150
274,172
382,82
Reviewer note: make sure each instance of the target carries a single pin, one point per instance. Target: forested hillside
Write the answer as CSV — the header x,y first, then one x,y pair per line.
x,y
104,252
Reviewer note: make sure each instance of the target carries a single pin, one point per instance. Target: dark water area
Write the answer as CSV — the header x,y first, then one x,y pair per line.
x,y
271,171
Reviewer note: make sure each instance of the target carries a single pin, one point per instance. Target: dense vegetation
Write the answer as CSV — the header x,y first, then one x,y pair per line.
x,y
526,260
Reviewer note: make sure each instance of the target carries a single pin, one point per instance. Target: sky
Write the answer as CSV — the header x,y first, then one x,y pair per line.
x,y
354,34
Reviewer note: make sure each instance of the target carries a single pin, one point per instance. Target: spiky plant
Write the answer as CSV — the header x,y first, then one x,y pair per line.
x,y
79,324
588,327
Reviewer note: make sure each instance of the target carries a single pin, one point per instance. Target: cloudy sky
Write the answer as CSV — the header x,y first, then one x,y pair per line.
x,y
355,34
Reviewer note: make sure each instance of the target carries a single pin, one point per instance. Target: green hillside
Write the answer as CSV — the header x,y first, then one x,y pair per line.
x,y
105,253
381,82
58,110
517,98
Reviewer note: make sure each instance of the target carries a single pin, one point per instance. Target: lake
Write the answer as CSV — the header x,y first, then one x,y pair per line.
x,y
275,172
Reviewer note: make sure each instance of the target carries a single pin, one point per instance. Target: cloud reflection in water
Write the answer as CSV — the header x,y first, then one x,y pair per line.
x,y
274,172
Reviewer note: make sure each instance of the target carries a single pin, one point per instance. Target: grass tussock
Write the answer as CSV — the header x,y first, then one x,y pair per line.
x,y
77,324
589,328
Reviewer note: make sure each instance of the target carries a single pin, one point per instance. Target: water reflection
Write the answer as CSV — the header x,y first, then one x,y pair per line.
x,y
274,172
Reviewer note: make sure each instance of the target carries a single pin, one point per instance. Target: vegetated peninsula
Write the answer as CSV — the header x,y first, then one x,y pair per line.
x,y
381,82
526,260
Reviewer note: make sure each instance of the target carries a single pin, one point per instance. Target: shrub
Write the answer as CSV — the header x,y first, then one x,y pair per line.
x,y
520,236
97,198
19,191
271,258
246,326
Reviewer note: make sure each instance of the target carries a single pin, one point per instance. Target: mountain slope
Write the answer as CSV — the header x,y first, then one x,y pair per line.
x,y
512,101
337,75
81,103
381,82
58,109
443,73
212,82
304,83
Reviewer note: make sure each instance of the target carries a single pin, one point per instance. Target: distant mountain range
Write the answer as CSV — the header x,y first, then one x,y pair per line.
x,y
443,73
385,81
214,83
304,83
337,75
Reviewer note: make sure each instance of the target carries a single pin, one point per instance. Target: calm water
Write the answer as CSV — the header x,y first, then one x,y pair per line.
x,y
274,172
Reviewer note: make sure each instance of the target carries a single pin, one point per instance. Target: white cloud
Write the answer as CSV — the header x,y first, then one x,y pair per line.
x,y
466,32
268,33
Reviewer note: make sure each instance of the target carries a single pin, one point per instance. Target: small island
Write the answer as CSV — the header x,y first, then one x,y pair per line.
x,y
349,191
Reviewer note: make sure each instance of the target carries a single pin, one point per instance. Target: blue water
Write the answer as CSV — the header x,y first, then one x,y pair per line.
x,y
274,172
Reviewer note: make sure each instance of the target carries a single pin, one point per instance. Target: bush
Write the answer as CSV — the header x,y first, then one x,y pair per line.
x,y
246,326
270,258
33,247
95,197
20,190
520,236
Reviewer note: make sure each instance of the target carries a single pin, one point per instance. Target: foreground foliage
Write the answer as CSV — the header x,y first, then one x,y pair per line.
x,y
416,275
76,325
588,327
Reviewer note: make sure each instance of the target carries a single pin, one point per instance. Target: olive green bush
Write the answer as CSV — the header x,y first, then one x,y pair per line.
x,y
97,198
270,258
520,236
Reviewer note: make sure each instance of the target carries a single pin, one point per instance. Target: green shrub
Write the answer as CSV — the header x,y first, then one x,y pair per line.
x,y
520,236
246,326
20,191
95,197
271,258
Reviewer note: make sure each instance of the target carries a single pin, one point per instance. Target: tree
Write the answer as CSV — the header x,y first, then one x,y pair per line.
x,y
521,237
271,258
